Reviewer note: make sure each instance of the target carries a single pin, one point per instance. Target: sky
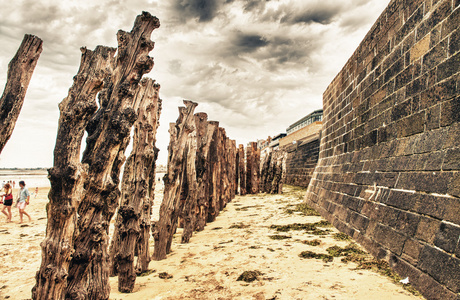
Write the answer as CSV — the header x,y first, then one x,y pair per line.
x,y
256,66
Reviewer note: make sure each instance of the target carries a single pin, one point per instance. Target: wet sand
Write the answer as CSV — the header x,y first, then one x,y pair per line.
x,y
209,266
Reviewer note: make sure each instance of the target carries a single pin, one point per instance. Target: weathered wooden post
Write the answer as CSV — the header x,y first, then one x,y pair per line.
x,y
20,70
68,174
252,168
108,136
180,136
204,136
215,167
137,188
242,170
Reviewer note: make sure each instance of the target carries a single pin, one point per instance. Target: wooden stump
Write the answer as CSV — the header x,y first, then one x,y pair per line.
x,y
108,136
242,170
273,172
20,70
215,170
252,168
174,179
68,174
204,136
137,188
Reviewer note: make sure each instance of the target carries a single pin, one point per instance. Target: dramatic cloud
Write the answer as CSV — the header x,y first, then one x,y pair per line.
x,y
256,66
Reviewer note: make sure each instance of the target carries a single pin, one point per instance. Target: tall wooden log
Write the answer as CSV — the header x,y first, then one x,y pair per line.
x,y
266,176
189,187
215,169
233,174
68,174
205,190
273,172
108,136
174,178
143,243
279,171
202,168
223,160
242,170
252,168
20,70
137,187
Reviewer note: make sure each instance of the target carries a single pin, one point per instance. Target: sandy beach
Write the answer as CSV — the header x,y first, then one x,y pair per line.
x,y
243,238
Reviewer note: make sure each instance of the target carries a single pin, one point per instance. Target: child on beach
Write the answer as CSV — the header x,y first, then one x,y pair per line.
x,y
24,198
7,201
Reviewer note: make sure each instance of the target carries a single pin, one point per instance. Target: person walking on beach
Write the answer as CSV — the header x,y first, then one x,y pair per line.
x,y
24,198
7,192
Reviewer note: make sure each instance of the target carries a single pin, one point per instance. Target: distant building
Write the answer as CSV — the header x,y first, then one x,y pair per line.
x,y
275,142
316,116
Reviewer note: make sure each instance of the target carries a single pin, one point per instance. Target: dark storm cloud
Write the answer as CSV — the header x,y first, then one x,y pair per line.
x,y
320,14
323,12
203,10
254,5
246,43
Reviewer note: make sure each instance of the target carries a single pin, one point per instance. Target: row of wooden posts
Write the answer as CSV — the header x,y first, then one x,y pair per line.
x,y
205,168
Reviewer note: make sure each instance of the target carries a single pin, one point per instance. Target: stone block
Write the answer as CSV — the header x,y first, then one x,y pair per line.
x,y
412,248
401,200
454,42
419,49
438,93
429,182
389,238
427,229
449,67
411,125
406,223
448,237
452,159
441,266
435,56
450,112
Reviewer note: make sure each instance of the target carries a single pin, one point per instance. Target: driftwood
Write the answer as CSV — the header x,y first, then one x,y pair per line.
x,y
108,137
241,170
67,175
20,70
137,188
273,172
170,207
252,168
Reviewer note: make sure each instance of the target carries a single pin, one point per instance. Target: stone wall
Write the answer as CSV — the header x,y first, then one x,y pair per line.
x,y
388,171
301,162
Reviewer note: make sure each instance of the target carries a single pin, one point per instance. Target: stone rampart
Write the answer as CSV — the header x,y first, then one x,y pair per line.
x,y
388,171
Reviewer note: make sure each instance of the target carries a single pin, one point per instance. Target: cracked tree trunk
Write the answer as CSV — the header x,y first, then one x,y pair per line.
x,y
242,170
174,179
252,168
233,177
67,175
108,136
214,164
137,188
20,70
189,188
205,186
273,172
201,167
223,159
